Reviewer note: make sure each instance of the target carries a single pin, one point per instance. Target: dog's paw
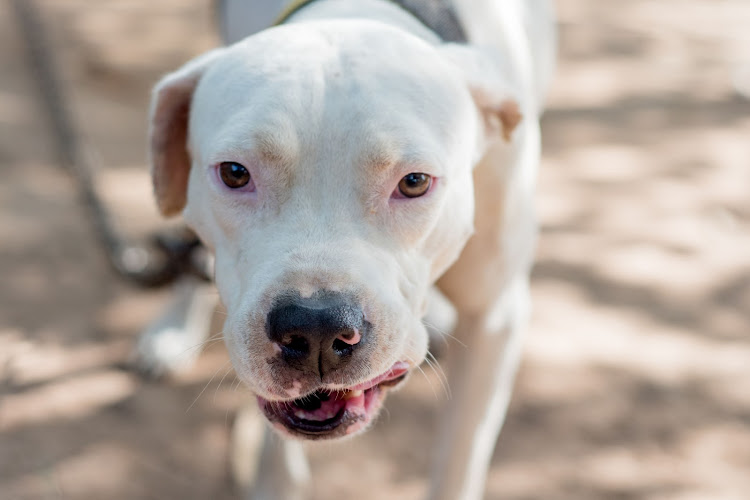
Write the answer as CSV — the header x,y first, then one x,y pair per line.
x,y
173,341
164,351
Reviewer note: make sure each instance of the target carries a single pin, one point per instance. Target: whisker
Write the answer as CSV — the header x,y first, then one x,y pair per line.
x,y
237,384
387,412
440,380
444,335
206,386
429,382
438,369
437,363
220,382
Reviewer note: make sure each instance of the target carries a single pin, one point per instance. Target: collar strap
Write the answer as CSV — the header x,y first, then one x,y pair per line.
x,y
290,10
438,15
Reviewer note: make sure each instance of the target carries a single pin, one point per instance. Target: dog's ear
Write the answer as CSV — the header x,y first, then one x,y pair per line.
x,y
168,133
492,94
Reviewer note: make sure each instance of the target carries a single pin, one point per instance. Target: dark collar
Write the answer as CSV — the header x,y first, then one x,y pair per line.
x,y
438,15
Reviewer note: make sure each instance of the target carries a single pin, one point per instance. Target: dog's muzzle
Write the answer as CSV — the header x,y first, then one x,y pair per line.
x,y
323,343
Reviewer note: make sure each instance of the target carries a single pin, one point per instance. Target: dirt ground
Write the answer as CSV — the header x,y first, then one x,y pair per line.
x,y
636,380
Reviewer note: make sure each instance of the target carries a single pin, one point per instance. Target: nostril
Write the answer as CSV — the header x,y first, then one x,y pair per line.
x,y
350,337
346,341
296,345
342,348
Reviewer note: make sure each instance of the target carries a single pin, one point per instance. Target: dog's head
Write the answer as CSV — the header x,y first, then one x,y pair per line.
x,y
329,168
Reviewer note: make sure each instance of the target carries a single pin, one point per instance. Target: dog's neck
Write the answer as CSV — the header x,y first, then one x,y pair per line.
x,y
438,16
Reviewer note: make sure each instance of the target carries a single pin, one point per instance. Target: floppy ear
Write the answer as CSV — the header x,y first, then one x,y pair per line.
x,y
490,89
168,132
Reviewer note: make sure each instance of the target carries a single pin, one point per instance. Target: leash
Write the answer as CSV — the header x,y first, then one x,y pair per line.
x,y
163,257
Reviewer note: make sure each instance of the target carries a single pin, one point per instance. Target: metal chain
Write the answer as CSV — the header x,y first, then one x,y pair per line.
x,y
164,257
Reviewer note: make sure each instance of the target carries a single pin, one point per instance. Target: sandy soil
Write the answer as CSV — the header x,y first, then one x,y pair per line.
x,y
636,381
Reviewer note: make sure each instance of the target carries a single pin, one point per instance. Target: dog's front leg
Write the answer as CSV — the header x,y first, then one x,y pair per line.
x,y
283,472
264,465
489,287
173,341
480,376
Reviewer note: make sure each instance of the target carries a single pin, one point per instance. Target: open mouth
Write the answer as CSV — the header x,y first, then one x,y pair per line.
x,y
330,413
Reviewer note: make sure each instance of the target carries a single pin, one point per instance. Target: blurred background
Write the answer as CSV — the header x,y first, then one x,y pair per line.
x,y
636,379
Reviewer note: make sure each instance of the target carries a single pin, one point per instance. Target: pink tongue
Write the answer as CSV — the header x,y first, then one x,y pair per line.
x,y
356,405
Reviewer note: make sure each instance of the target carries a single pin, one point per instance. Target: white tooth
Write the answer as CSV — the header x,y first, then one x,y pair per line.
x,y
300,414
354,394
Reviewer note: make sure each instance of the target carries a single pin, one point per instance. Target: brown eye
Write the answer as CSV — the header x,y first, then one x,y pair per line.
x,y
414,185
233,174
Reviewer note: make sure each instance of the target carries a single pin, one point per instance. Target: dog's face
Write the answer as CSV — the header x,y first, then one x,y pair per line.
x,y
329,168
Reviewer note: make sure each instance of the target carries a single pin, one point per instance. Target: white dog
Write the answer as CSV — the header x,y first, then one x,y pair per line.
x,y
338,166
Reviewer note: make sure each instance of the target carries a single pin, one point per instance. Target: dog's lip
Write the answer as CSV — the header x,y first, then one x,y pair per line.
x,y
398,369
336,411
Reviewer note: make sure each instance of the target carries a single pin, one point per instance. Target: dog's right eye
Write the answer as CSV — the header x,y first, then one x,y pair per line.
x,y
233,174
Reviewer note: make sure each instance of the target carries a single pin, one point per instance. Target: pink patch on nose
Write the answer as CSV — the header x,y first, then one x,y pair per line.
x,y
351,338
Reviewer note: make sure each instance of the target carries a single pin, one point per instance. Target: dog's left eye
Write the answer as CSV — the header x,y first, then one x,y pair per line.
x,y
234,175
414,185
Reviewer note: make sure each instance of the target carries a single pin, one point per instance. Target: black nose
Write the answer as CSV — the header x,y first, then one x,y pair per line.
x,y
318,334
